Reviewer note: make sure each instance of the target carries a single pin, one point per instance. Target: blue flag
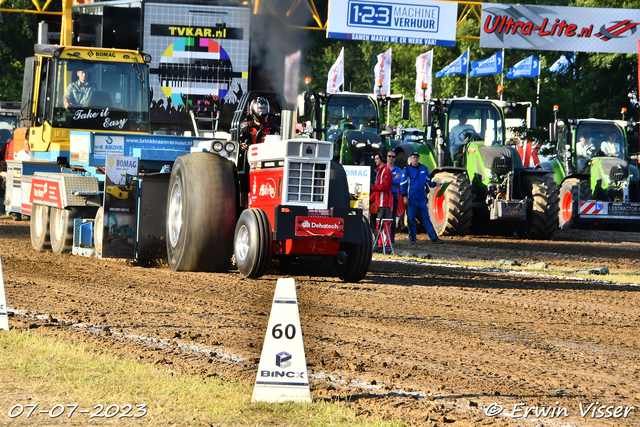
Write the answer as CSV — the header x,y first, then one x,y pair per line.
x,y
492,65
528,67
561,66
459,66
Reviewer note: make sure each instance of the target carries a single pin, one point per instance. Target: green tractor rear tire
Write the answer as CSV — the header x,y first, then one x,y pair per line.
x,y
542,221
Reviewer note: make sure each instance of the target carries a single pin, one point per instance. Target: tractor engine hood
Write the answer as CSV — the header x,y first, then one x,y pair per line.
x,y
497,158
617,169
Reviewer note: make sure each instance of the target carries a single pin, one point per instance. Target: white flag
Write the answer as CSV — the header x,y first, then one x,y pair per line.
x,y
424,63
382,72
291,77
336,74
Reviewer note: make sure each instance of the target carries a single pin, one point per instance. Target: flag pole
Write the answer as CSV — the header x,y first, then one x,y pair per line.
x,y
466,94
502,75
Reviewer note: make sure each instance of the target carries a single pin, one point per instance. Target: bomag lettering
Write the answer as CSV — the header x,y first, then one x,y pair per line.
x,y
126,164
105,55
198,32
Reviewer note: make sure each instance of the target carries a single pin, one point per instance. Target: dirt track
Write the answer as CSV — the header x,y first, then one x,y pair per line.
x,y
429,343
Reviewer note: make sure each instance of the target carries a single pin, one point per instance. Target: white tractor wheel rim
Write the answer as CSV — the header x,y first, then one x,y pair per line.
x,y
57,227
242,243
39,220
175,213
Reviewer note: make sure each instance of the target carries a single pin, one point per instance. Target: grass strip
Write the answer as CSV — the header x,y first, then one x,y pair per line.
x,y
41,370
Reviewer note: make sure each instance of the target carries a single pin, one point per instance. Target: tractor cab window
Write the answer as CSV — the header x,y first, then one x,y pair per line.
x,y
350,112
99,96
475,121
600,139
561,148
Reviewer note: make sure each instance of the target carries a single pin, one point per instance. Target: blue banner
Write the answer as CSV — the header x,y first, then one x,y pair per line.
x,y
492,65
459,66
528,67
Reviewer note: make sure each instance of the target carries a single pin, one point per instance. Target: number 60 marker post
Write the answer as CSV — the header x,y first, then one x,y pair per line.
x,y
282,371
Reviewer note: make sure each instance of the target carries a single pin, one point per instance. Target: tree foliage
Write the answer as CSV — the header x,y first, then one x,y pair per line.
x,y
17,37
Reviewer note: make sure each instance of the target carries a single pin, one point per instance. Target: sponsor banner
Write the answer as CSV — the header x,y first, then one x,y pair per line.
x,y
491,65
459,66
424,65
120,201
406,21
319,226
45,192
382,71
335,78
528,67
359,181
560,28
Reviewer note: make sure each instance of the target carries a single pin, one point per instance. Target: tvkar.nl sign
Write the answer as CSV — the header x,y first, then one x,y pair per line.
x,y
572,29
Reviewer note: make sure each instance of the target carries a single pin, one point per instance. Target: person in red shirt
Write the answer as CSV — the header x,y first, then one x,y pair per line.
x,y
249,129
381,194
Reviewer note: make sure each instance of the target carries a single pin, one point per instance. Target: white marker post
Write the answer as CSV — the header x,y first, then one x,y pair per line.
x,y
4,317
282,371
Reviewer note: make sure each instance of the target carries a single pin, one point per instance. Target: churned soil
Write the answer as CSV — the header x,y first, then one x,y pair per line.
x,y
428,341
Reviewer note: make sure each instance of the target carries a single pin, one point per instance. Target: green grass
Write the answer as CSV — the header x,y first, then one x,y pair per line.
x,y
43,370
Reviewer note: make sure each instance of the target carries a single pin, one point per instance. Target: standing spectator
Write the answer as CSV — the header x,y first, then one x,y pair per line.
x,y
413,188
398,177
381,195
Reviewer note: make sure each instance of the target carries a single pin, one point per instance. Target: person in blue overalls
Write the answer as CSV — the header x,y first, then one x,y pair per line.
x,y
413,188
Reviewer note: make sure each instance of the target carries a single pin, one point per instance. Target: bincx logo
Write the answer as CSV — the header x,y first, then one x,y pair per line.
x,y
617,30
109,140
283,360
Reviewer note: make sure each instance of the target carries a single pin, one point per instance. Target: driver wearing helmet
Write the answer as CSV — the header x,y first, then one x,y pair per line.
x,y
459,132
255,129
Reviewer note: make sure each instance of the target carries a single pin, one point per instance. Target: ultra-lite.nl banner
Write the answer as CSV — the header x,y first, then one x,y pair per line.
x,y
559,28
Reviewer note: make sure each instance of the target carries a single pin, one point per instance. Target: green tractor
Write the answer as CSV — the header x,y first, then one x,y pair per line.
x,y
353,122
597,183
485,188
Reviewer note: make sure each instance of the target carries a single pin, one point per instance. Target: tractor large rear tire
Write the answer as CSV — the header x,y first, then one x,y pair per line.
x,y
452,212
571,192
359,256
201,213
543,217
39,228
61,224
338,186
252,247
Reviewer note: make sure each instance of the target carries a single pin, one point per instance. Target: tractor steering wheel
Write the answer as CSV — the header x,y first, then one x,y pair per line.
x,y
276,131
467,135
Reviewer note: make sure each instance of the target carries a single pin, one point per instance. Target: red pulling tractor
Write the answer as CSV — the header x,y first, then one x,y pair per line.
x,y
283,198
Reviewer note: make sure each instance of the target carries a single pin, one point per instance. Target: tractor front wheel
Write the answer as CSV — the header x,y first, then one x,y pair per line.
x,y
571,192
252,248
201,213
39,228
451,212
358,259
